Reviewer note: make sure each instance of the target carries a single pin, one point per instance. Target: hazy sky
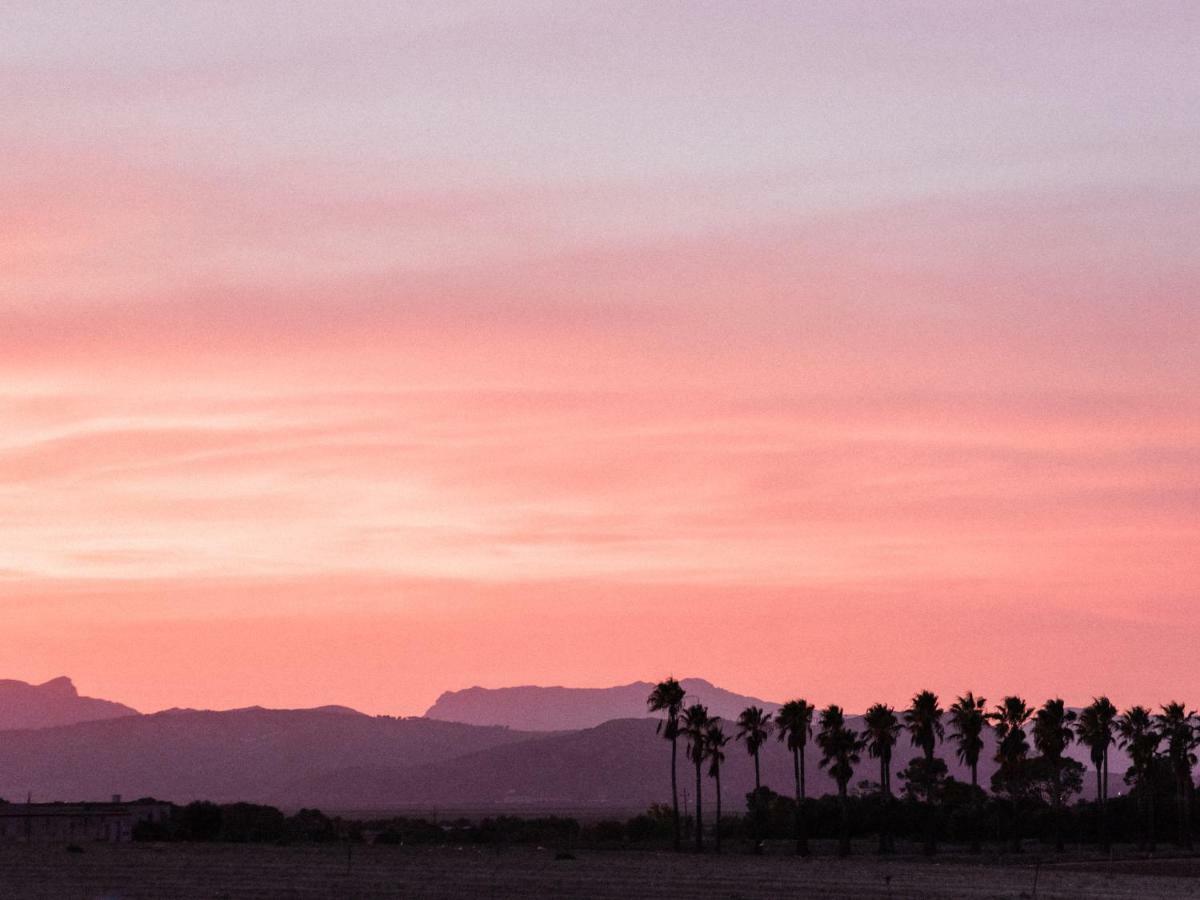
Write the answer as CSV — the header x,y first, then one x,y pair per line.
x,y
354,352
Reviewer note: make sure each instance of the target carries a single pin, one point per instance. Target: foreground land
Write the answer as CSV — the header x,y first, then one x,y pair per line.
x,y
124,872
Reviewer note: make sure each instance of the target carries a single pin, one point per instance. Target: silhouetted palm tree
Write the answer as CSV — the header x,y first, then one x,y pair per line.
x,y
923,719
968,721
1010,716
1052,735
794,721
754,727
694,725
1139,736
1177,724
840,749
1095,731
667,697
882,730
715,740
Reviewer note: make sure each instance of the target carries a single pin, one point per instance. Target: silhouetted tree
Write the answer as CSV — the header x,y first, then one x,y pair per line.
x,y
1141,739
967,723
1177,725
1095,731
715,740
1011,779
794,721
754,727
882,730
667,697
840,748
1052,735
694,726
923,719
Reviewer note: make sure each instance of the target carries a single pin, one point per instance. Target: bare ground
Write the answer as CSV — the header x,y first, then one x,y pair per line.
x,y
247,871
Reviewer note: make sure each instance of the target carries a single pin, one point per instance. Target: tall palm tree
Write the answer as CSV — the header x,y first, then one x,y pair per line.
x,y
794,721
754,727
1137,734
1178,727
1095,730
923,719
968,721
715,740
882,730
667,697
840,748
1052,735
1010,715
694,725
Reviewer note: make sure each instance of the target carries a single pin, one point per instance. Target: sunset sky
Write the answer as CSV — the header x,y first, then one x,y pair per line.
x,y
355,352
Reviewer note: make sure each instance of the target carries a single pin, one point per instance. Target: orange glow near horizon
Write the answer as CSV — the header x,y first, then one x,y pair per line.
x,y
321,382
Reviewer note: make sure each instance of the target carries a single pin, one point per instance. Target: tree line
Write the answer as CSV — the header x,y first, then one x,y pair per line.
x,y
1030,777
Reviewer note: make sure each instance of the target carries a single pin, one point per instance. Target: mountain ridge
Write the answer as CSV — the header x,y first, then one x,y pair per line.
x,y
552,708
52,703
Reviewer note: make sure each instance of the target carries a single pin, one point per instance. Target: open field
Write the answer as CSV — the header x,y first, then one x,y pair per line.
x,y
249,871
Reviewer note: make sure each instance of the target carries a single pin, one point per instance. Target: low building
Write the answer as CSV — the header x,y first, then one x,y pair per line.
x,y
77,823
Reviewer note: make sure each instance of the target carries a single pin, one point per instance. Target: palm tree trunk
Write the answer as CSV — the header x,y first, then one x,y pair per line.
x,y
799,799
1185,811
1103,811
757,807
1139,793
699,815
844,810
883,804
1152,826
717,823
1057,811
930,819
802,813
675,789
975,807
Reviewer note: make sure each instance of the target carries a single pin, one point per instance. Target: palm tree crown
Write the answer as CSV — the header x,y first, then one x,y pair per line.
x,y
754,727
1052,731
923,719
794,721
667,697
1137,734
693,725
840,745
715,740
1095,728
1010,716
882,732
967,722
1177,725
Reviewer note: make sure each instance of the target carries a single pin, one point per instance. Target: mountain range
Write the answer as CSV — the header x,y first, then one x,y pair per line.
x,y
337,758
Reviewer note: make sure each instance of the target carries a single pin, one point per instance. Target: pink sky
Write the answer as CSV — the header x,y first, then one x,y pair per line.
x,y
351,354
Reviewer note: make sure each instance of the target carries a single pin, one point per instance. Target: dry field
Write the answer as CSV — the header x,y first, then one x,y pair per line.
x,y
232,871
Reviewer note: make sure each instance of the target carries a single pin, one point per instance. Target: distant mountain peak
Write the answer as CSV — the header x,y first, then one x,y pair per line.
x,y
538,708
62,686
50,704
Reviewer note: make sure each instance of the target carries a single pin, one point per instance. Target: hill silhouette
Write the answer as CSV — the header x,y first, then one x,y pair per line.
x,y
533,708
56,702
338,758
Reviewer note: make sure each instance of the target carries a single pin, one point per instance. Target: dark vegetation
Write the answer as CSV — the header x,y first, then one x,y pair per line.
x,y
1033,797
1033,791
771,820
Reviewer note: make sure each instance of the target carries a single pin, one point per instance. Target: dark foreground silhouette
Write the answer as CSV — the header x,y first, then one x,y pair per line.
x,y
236,871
